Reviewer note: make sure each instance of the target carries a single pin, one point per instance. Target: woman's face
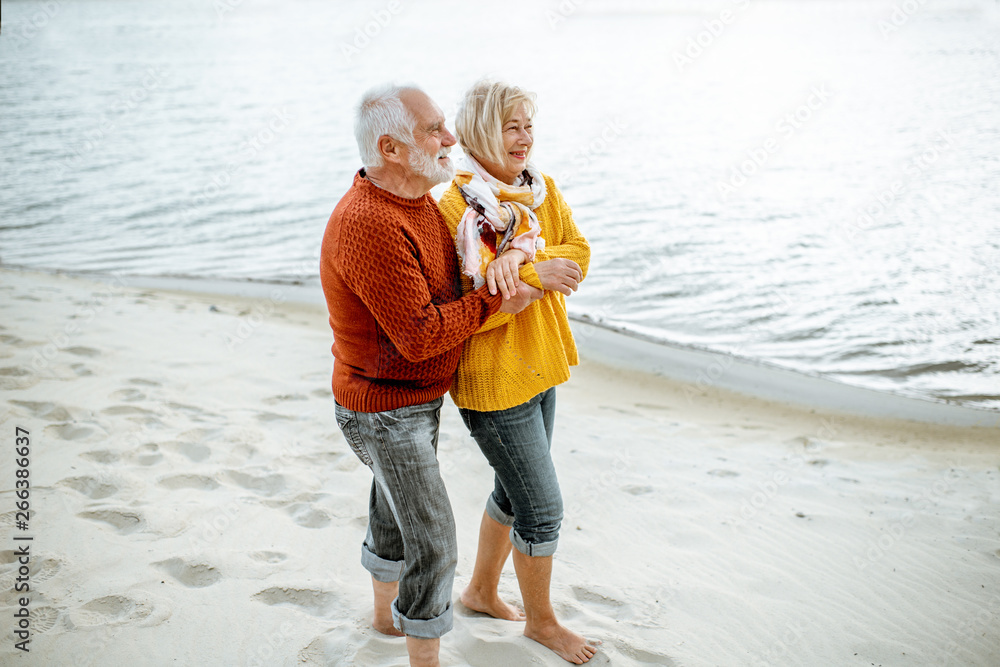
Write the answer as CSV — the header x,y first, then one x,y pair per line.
x,y
517,142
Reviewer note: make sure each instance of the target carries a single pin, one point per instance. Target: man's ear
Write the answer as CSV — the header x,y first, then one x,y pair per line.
x,y
389,148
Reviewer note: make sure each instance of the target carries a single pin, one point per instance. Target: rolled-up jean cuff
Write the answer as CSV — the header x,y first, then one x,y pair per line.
x,y
386,571
424,628
497,514
537,549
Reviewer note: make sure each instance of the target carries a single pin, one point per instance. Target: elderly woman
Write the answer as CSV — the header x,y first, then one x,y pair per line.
x,y
500,207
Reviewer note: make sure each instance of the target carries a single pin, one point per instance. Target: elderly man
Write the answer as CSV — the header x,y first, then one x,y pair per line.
x,y
391,280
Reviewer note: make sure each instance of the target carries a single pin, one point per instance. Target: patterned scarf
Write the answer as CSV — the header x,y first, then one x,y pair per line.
x,y
499,216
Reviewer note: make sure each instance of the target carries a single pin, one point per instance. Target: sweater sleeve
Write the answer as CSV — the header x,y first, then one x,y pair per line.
x,y
386,274
570,242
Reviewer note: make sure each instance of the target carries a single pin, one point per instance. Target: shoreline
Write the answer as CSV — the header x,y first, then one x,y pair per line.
x,y
189,482
706,370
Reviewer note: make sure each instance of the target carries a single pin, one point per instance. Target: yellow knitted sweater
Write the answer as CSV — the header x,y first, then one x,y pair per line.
x,y
513,358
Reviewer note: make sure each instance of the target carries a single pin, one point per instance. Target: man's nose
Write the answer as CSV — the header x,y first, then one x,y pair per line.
x,y
448,139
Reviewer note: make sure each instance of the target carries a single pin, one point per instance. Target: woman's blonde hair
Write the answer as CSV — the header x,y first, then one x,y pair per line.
x,y
482,114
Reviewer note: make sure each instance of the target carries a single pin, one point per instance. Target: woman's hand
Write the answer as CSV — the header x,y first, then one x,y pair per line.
x,y
524,298
502,273
559,274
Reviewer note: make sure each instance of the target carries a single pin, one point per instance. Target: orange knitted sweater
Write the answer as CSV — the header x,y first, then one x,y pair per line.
x,y
391,281
513,358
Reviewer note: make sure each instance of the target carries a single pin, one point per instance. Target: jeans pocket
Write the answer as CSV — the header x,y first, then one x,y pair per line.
x,y
348,423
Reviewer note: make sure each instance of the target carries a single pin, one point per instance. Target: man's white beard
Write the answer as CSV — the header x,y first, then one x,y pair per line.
x,y
427,166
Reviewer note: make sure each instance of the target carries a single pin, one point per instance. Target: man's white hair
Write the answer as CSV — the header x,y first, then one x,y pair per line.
x,y
382,112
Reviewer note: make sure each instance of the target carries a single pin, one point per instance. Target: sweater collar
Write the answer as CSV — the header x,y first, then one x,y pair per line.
x,y
367,186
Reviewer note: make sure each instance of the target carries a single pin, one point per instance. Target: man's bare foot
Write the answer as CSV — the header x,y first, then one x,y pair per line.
x,y
564,642
423,652
385,593
386,627
491,605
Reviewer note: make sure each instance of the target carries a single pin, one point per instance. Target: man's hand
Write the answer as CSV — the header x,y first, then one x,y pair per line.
x,y
559,275
525,295
502,273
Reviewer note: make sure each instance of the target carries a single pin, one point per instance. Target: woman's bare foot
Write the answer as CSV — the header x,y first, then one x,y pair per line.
x,y
564,642
491,605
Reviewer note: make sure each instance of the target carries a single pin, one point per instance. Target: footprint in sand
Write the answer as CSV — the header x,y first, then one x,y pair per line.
x,y
593,597
8,519
271,557
128,395
265,485
191,444
194,413
193,451
146,455
192,575
273,400
323,604
93,487
124,521
81,351
38,569
43,619
637,490
142,382
718,472
109,610
105,456
69,431
15,341
127,410
189,482
48,411
639,655
267,417
81,370
307,516
16,377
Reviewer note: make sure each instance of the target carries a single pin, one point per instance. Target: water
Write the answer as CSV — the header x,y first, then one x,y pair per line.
x,y
809,183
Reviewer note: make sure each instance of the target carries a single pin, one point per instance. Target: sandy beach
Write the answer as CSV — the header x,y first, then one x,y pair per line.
x,y
193,503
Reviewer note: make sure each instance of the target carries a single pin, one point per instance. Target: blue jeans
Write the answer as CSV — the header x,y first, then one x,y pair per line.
x,y
411,529
518,442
